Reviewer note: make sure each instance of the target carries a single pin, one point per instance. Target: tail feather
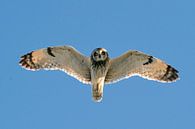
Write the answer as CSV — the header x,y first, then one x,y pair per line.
x,y
97,91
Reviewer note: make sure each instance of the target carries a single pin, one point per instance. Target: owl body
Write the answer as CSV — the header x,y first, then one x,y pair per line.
x,y
99,69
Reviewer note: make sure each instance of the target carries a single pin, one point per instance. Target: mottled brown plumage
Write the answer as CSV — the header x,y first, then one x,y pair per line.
x,y
99,69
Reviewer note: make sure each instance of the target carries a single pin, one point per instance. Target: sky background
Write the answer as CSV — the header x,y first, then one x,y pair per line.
x,y
54,100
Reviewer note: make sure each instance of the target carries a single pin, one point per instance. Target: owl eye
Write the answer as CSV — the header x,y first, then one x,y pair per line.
x,y
103,53
95,54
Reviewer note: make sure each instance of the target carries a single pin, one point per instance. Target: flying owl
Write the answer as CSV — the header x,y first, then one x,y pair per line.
x,y
99,69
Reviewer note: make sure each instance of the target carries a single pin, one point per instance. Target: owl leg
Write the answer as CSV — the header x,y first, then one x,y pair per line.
x,y
97,91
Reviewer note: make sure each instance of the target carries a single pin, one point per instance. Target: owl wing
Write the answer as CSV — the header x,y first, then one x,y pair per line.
x,y
64,58
138,63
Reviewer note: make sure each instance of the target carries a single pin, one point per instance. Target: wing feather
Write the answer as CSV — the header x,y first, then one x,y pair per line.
x,y
137,63
64,58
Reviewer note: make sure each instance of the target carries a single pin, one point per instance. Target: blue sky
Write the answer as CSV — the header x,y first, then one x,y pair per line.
x,y
54,100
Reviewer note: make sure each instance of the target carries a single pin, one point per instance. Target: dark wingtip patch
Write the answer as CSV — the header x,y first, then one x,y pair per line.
x,y
49,51
150,60
171,74
27,62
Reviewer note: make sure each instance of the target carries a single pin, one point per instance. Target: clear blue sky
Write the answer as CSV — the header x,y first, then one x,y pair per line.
x,y
54,100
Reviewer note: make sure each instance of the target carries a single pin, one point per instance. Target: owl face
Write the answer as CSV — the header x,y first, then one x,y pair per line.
x,y
99,54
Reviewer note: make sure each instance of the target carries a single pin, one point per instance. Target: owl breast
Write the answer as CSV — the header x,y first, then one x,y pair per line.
x,y
99,70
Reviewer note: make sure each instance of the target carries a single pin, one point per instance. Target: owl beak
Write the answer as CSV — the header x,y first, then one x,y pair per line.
x,y
99,56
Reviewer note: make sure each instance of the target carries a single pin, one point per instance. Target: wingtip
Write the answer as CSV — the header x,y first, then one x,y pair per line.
x,y
171,74
27,63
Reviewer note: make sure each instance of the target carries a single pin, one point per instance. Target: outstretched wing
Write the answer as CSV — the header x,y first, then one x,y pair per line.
x,y
138,63
64,58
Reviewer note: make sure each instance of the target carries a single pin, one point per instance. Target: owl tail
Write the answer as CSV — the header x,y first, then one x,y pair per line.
x,y
97,91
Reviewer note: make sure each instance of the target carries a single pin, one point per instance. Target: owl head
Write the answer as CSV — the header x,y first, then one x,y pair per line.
x,y
99,54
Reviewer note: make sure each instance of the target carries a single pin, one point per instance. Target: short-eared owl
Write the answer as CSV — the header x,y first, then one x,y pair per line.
x,y
99,69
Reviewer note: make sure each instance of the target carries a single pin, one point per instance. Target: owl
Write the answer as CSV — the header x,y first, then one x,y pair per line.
x,y
99,69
